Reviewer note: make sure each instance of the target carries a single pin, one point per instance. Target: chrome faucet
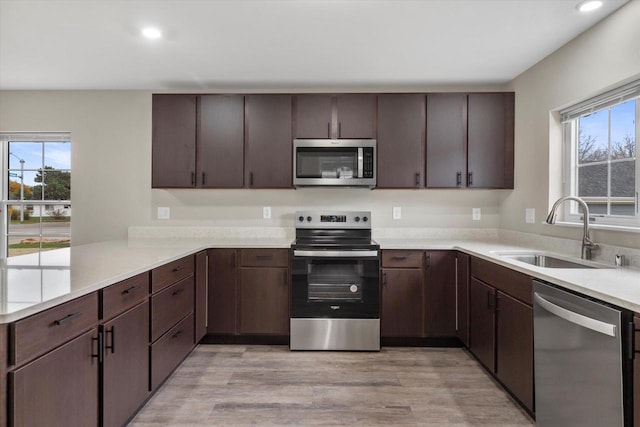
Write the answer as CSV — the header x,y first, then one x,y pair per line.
x,y
587,244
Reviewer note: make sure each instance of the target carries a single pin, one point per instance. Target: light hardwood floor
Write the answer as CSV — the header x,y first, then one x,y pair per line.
x,y
236,385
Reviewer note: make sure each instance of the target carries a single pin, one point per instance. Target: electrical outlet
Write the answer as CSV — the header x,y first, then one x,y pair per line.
x,y
164,213
530,215
266,212
397,212
476,214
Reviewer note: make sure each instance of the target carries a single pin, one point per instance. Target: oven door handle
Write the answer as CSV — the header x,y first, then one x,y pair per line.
x,y
336,254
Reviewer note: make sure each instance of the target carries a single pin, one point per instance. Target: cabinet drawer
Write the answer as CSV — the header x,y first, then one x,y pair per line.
x,y
35,335
264,257
123,295
170,350
509,281
402,259
171,305
169,274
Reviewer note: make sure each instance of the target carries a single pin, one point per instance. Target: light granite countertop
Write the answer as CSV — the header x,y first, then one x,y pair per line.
x,y
32,283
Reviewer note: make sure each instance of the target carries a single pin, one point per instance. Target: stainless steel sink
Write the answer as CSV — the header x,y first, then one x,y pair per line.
x,y
549,261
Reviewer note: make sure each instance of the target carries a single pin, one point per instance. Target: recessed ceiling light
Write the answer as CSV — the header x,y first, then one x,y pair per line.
x,y
589,5
151,33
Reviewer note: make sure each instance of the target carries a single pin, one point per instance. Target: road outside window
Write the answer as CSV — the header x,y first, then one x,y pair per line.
x,y
37,200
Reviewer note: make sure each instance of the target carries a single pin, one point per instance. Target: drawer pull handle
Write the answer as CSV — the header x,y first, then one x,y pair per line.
x,y
177,334
129,290
178,268
264,256
399,257
177,292
67,318
112,347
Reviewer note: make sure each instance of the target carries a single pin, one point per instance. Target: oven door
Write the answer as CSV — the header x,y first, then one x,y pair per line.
x,y
335,284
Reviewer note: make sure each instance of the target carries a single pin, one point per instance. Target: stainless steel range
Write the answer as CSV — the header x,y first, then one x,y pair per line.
x,y
335,288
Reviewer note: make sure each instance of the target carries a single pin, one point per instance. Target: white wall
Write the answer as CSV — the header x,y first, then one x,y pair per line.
x,y
111,174
603,57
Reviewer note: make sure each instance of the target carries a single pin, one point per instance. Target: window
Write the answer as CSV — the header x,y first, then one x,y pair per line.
x,y
36,194
601,163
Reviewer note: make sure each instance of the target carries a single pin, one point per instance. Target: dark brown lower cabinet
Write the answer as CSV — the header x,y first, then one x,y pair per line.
x,y
4,357
170,350
440,294
125,370
402,302
514,347
264,300
482,324
200,306
222,291
59,388
462,298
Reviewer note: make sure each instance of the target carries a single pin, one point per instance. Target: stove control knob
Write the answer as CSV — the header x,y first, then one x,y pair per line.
x,y
308,219
353,289
357,219
300,218
365,219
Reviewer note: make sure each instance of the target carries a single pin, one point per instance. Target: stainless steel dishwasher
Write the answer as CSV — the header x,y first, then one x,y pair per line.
x,y
581,372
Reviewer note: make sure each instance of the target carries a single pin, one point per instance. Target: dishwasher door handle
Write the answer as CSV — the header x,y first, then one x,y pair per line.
x,y
578,319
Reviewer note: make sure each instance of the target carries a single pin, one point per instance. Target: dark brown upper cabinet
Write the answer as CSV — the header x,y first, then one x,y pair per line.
x,y
490,127
446,140
401,130
221,141
268,151
174,141
347,116
470,140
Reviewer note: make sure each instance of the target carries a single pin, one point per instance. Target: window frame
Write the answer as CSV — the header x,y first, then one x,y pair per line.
x,y
570,133
5,202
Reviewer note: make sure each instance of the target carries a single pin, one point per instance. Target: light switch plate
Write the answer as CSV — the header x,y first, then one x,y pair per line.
x,y
164,212
397,212
266,212
476,214
530,215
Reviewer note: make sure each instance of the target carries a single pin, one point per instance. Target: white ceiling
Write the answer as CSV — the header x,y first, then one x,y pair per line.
x,y
280,44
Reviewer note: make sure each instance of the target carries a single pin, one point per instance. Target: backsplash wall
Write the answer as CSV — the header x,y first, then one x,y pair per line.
x,y
420,208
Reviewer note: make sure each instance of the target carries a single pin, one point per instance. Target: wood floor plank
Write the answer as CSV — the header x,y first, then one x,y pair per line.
x,y
235,385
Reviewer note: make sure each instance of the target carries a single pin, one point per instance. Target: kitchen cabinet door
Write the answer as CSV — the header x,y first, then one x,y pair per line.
x,y
446,140
401,127
268,157
490,140
482,323
314,115
356,116
264,300
462,298
173,146
200,306
125,371
440,294
59,388
221,310
514,347
221,141
402,306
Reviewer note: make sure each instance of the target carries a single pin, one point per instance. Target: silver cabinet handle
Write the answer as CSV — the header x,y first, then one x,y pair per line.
x,y
336,254
578,319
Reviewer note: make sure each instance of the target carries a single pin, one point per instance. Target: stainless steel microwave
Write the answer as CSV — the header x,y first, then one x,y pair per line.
x,y
334,162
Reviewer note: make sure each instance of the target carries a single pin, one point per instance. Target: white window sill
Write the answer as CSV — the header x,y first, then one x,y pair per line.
x,y
593,226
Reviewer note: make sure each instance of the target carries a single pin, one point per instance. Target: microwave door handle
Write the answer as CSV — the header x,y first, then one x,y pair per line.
x,y
360,163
